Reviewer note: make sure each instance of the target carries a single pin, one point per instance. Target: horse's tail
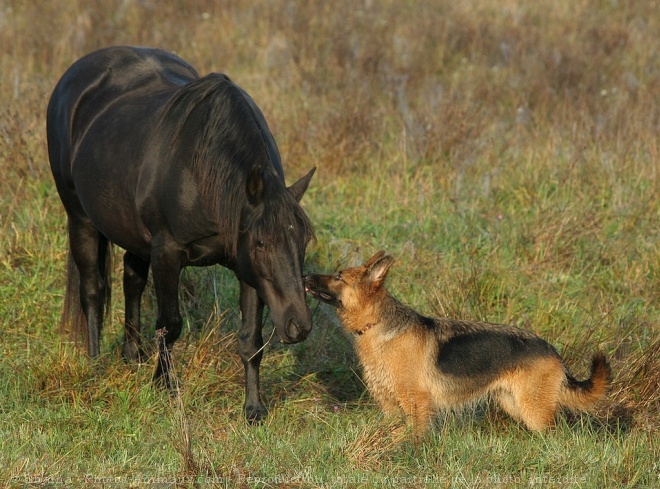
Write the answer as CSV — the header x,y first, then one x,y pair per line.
x,y
74,321
581,395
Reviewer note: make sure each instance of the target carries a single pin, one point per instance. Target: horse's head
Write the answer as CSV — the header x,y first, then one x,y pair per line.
x,y
271,250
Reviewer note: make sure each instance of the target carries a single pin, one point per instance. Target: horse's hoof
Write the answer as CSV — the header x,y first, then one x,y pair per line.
x,y
255,414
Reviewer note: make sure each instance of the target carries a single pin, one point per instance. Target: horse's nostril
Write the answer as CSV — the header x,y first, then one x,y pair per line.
x,y
295,332
292,329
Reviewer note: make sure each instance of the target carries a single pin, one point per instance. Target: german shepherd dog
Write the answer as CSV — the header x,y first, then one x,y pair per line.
x,y
421,365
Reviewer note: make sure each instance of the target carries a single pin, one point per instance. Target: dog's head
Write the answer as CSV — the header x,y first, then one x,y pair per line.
x,y
352,288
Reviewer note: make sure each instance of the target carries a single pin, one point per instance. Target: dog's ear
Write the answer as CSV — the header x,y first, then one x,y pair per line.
x,y
379,267
374,258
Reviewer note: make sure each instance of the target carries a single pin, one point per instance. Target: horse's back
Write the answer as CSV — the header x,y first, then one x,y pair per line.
x,y
126,68
103,76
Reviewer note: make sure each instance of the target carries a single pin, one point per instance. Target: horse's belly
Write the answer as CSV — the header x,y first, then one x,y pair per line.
x,y
131,237
120,226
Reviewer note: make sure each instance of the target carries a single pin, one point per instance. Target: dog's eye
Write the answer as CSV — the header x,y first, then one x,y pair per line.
x,y
259,244
338,277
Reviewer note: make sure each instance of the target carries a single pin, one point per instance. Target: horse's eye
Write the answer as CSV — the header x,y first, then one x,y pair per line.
x,y
259,244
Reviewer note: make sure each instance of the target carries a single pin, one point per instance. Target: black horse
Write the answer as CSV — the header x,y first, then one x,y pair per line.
x,y
177,170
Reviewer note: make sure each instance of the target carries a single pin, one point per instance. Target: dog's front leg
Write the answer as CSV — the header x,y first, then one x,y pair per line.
x,y
417,407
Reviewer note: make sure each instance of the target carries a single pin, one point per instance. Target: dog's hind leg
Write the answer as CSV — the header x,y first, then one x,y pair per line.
x,y
536,414
534,393
534,411
530,394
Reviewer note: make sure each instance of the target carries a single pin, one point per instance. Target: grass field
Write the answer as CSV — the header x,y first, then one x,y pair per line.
x,y
505,152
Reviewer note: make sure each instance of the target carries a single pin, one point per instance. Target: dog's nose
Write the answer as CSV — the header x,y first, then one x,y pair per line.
x,y
308,281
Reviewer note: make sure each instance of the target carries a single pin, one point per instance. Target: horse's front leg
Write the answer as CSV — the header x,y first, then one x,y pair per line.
x,y
250,342
166,268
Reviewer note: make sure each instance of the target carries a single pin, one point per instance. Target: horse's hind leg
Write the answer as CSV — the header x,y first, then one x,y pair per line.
x,y
136,272
91,253
250,343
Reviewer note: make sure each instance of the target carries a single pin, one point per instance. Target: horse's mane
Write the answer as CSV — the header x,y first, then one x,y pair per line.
x,y
229,142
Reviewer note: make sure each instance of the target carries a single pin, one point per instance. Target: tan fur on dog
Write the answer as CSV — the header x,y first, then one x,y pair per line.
x,y
421,365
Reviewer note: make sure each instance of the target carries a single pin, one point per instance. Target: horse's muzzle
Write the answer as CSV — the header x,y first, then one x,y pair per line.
x,y
295,332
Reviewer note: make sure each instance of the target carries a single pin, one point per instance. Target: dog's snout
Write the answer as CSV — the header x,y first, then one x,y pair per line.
x,y
308,281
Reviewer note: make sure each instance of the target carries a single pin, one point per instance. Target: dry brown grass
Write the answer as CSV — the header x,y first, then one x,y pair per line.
x,y
505,151
355,71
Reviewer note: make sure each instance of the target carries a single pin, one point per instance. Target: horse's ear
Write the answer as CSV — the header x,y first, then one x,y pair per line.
x,y
299,188
255,185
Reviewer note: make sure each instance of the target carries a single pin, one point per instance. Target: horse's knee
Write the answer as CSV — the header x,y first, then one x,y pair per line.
x,y
247,346
250,350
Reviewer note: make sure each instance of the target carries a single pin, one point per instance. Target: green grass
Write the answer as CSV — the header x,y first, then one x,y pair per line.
x,y
506,153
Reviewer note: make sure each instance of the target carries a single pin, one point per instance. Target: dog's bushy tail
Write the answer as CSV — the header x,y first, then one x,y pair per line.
x,y
580,395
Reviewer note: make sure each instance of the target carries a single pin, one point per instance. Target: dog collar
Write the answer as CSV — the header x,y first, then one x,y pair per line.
x,y
365,329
